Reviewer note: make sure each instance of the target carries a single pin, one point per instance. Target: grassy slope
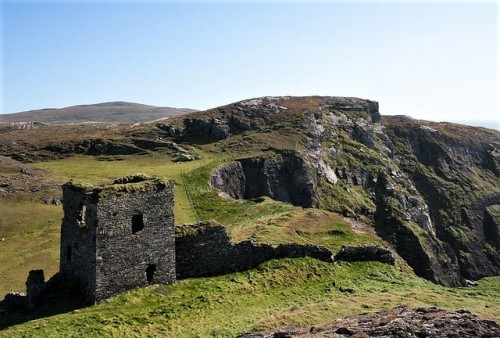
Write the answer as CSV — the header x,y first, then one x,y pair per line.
x,y
31,242
300,291
105,169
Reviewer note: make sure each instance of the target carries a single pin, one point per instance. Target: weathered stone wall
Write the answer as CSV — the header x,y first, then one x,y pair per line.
x,y
283,177
78,239
125,259
365,253
35,286
118,238
204,249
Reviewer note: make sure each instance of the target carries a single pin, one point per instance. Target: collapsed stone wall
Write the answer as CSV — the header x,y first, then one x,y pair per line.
x,y
283,177
204,249
365,253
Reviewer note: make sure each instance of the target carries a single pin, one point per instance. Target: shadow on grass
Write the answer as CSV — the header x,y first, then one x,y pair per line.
x,y
16,317
58,296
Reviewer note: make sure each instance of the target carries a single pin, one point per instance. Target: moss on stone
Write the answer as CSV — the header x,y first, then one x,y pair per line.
x,y
127,184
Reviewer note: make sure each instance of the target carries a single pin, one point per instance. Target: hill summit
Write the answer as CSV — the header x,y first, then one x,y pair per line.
x,y
110,112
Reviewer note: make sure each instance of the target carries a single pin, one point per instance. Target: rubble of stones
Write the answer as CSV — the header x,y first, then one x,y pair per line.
x,y
8,126
17,178
397,322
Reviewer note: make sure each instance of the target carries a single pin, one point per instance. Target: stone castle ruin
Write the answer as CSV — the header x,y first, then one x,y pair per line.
x,y
122,236
118,237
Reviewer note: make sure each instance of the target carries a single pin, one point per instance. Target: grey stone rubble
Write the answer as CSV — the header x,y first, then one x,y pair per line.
x,y
400,321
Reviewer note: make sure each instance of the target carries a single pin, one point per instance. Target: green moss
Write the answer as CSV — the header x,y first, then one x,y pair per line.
x,y
126,184
346,199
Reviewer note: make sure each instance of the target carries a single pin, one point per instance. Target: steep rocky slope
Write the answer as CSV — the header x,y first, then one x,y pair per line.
x,y
430,189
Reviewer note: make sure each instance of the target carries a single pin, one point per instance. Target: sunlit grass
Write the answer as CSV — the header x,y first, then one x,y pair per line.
x,y
278,292
29,239
107,168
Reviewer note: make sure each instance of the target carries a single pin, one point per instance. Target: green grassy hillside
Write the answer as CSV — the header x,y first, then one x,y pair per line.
x,y
299,291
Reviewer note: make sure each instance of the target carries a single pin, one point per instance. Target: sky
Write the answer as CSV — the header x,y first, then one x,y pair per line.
x,y
428,60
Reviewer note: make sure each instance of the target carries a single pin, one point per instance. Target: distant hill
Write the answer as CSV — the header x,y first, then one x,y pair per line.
x,y
111,112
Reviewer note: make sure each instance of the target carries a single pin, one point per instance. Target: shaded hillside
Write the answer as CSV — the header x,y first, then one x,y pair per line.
x,y
112,112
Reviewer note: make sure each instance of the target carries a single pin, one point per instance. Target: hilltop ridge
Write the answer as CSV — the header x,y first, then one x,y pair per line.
x,y
110,112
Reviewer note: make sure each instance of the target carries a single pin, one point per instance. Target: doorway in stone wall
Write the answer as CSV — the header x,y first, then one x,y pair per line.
x,y
150,273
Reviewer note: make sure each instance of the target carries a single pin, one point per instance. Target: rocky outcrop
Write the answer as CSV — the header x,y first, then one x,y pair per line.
x,y
204,130
352,164
398,322
204,249
283,176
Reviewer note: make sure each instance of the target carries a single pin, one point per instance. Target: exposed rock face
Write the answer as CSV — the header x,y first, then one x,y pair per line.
x,y
284,177
439,264
209,130
204,249
230,180
398,322
365,253
455,168
344,164
5,126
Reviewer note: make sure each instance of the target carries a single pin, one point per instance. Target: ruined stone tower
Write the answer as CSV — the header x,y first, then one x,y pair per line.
x,y
118,237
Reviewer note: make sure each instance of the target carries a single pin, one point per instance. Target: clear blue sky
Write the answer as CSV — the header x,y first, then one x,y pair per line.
x,y
427,60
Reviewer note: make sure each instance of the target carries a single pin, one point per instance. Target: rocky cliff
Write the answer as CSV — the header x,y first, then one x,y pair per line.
x,y
430,189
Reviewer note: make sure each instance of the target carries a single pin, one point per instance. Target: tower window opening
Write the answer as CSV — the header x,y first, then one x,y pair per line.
x,y
137,223
81,214
150,273
69,253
